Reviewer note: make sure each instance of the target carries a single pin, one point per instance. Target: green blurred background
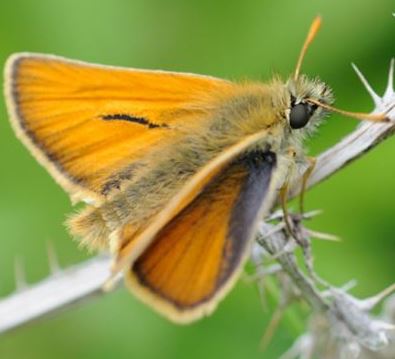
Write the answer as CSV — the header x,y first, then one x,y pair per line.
x,y
231,39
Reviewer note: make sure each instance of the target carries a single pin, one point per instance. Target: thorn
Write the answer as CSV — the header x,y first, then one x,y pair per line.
x,y
323,236
349,285
376,98
312,214
370,303
277,215
262,294
20,275
259,279
272,326
277,228
53,260
390,85
345,288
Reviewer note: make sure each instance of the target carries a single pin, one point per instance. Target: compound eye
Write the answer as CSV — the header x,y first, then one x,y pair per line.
x,y
300,114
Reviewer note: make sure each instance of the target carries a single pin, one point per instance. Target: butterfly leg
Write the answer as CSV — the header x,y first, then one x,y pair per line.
x,y
283,201
283,194
312,163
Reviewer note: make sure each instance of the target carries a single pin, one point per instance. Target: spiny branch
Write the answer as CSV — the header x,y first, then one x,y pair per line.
x,y
60,290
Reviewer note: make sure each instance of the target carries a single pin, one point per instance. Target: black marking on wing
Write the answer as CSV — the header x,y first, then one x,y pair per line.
x,y
130,118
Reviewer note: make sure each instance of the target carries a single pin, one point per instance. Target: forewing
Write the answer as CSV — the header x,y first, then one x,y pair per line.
x,y
86,122
194,260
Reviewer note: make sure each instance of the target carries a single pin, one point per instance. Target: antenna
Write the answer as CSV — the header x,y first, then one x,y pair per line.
x,y
374,117
315,26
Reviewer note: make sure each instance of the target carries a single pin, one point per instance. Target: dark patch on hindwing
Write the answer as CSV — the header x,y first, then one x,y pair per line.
x,y
259,166
249,176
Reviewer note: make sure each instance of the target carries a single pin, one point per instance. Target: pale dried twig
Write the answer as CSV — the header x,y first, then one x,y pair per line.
x,y
58,291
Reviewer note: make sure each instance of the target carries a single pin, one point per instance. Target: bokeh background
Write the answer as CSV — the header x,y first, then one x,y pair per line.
x,y
231,39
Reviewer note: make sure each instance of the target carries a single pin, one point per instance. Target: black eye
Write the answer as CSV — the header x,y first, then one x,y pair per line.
x,y
300,114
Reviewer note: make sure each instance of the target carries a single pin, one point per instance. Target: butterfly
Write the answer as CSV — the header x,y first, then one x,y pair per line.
x,y
176,169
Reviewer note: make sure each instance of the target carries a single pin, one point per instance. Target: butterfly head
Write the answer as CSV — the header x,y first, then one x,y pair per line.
x,y
304,93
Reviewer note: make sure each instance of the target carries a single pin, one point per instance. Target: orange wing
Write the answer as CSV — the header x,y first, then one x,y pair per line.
x,y
194,260
87,122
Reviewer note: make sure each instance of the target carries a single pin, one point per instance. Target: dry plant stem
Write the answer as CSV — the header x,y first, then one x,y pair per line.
x,y
67,287
275,244
59,291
